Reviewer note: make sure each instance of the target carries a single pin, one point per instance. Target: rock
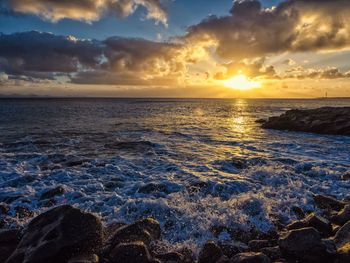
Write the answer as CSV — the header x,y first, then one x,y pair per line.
x,y
224,259
305,245
23,212
346,176
9,239
257,245
326,120
319,223
52,193
328,202
299,212
344,254
145,231
4,209
261,121
110,229
172,257
272,252
342,217
152,187
210,253
134,252
250,257
58,235
93,258
232,248
342,237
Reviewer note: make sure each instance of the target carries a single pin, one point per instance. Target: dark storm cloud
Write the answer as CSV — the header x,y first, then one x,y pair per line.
x,y
84,10
112,61
293,25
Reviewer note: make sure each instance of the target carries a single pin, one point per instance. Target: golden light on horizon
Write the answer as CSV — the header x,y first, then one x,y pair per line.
x,y
241,82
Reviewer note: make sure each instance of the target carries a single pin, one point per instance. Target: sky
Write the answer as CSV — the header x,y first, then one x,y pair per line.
x,y
175,48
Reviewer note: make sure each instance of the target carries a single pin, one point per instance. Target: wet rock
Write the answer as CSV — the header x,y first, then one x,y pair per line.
x,y
52,193
328,202
257,245
342,217
9,239
299,212
250,257
230,249
135,252
319,223
4,209
346,176
110,229
172,257
272,252
342,237
306,245
344,254
58,235
326,120
93,258
144,231
210,253
23,212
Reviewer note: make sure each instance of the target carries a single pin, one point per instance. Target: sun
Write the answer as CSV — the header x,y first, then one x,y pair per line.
x,y
241,82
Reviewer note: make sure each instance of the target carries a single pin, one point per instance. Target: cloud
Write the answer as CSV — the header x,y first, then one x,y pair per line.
x,y
85,10
289,62
292,26
129,61
310,73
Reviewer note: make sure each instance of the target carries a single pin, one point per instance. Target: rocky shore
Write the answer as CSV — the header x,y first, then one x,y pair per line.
x,y
65,234
326,120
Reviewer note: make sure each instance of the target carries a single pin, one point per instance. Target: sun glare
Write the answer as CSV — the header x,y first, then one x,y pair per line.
x,y
241,82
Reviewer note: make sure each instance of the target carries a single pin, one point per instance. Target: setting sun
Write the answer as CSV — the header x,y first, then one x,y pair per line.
x,y
241,82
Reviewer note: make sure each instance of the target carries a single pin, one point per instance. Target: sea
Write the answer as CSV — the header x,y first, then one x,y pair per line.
x,y
192,164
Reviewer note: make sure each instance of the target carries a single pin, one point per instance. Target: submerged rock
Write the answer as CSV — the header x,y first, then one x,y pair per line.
x,y
326,120
52,193
58,235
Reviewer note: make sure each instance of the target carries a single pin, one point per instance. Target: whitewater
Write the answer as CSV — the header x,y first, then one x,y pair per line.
x,y
191,164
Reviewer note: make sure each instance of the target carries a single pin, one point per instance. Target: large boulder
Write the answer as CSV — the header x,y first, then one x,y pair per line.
x,y
9,239
326,120
342,217
342,237
306,245
58,235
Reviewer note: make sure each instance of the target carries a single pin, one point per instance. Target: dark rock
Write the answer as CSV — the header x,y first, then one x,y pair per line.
x,y
272,252
23,212
9,239
145,231
306,245
224,259
299,212
93,258
344,254
257,245
58,235
172,257
230,249
4,209
342,217
261,121
134,252
328,202
250,257
110,229
52,192
342,237
326,120
346,176
210,253
319,223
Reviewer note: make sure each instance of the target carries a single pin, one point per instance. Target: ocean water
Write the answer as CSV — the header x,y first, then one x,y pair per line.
x,y
191,164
